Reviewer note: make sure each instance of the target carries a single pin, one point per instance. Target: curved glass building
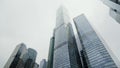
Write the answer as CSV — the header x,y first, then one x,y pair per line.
x,y
22,57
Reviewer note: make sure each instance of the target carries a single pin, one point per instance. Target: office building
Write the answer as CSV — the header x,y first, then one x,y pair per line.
x,y
15,56
43,64
75,60
21,57
65,50
114,8
51,53
31,58
94,51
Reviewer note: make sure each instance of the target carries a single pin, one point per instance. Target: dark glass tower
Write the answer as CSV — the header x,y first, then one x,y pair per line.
x,y
31,58
114,8
65,50
94,52
22,57
51,53
15,57
75,61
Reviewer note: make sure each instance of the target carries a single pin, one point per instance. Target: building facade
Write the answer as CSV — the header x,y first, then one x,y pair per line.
x,y
51,53
75,61
21,57
15,56
94,52
65,55
43,64
31,57
114,8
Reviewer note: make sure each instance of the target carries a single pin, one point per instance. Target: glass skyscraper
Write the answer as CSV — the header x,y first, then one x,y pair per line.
x,y
15,56
65,50
31,57
75,61
93,52
21,57
51,53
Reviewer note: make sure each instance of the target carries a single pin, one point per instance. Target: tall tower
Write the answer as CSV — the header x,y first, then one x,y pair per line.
x,y
75,60
31,57
22,57
51,53
63,56
15,57
94,52
43,64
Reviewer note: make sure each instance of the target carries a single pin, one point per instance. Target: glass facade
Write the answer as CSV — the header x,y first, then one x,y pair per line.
x,y
22,57
15,56
51,53
43,64
61,53
31,57
94,52
75,61
65,51
32,54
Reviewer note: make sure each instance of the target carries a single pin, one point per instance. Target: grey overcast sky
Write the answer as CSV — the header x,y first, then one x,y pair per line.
x,y
33,21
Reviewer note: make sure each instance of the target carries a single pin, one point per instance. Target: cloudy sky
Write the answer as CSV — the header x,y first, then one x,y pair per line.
x,y
32,22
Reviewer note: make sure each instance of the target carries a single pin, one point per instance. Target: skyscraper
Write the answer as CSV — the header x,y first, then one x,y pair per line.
x,y
94,52
21,57
43,64
15,57
31,58
51,53
65,52
75,60
114,8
